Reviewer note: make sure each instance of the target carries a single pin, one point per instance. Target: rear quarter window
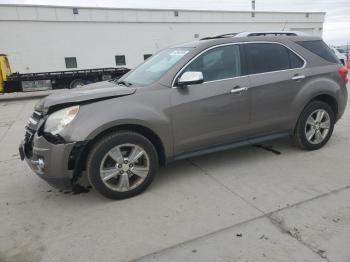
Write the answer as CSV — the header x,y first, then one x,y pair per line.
x,y
318,47
295,61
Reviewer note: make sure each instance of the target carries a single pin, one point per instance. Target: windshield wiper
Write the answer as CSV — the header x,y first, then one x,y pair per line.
x,y
124,83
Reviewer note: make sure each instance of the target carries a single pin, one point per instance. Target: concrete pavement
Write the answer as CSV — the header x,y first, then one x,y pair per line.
x,y
247,204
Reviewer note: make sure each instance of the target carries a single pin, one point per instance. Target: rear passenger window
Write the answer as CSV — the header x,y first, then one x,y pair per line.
x,y
265,57
319,48
218,63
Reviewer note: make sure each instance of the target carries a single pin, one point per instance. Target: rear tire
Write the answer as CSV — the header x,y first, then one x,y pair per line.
x,y
122,165
315,126
76,83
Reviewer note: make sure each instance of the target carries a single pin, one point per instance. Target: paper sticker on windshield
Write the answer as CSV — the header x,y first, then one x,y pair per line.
x,y
179,52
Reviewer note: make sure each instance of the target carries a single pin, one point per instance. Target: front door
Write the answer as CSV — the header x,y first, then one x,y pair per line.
x,y
216,111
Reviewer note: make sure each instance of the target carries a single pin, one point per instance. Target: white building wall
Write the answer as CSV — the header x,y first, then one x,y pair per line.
x,y
37,39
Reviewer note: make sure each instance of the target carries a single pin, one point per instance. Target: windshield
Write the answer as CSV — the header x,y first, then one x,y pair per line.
x,y
154,67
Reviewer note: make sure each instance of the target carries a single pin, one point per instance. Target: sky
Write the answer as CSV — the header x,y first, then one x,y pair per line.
x,y
336,30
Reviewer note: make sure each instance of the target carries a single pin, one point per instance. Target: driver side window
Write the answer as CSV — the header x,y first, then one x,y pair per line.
x,y
218,63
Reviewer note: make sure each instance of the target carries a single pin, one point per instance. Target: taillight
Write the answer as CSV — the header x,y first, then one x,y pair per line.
x,y
343,71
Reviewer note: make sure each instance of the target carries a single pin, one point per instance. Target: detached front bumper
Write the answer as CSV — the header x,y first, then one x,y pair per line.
x,y
49,161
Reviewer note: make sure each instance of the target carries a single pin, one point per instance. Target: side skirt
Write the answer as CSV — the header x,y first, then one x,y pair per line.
x,y
218,148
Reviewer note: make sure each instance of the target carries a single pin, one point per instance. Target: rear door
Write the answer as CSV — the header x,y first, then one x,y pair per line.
x,y
276,75
216,111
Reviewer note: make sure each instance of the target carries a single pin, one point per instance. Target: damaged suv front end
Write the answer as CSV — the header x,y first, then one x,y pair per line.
x,y
47,148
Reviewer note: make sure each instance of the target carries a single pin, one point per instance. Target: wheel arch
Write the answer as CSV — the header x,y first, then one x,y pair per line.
x,y
328,99
325,88
324,97
140,129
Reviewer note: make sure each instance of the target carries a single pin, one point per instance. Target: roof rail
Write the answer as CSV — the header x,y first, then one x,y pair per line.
x,y
263,33
219,36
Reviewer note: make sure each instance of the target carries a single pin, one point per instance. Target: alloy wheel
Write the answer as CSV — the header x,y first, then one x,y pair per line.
x,y
124,167
317,126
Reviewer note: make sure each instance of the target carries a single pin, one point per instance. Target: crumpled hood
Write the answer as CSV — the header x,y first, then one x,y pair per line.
x,y
89,93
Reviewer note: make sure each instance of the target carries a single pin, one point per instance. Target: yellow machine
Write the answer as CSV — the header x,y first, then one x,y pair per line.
x,y
5,71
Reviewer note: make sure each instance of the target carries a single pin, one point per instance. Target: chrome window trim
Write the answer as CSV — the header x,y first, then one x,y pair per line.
x,y
239,43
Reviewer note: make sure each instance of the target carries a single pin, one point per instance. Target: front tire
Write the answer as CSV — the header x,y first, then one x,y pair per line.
x,y
122,165
315,126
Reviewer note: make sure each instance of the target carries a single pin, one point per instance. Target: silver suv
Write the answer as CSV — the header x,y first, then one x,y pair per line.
x,y
201,97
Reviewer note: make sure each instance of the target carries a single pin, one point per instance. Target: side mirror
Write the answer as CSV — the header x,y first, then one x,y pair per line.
x,y
190,78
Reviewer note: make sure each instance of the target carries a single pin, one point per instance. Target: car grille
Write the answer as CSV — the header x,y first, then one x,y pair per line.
x,y
28,135
30,130
35,119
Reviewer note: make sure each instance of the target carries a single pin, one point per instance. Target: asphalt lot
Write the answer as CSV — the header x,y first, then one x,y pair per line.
x,y
248,204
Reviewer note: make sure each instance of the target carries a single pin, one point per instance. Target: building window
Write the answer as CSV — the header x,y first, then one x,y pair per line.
x,y
196,35
71,62
176,13
75,11
120,60
146,56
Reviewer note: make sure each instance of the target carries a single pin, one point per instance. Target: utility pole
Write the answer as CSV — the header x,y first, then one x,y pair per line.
x,y
347,54
253,8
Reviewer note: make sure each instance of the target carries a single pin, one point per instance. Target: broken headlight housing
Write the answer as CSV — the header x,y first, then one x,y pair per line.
x,y
58,120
